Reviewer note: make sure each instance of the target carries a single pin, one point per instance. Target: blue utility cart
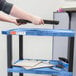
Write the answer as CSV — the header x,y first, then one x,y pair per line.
x,y
37,32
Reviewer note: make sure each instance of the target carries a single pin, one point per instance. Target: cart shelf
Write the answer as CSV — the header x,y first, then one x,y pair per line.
x,y
40,32
39,71
49,71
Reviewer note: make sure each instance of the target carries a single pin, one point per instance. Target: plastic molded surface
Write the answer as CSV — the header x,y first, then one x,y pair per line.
x,y
40,32
49,71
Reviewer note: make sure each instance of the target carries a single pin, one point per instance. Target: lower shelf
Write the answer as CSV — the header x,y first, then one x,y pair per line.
x,y
39,71
48,71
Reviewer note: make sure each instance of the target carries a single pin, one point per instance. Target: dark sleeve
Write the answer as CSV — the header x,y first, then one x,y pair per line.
x,y
5,6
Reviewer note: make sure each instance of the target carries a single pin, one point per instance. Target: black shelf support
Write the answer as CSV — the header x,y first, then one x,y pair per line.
x,y
70,46
20,50
9,53
70,53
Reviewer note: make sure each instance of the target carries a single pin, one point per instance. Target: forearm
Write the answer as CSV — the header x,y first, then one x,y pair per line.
x,y
6,18
22,14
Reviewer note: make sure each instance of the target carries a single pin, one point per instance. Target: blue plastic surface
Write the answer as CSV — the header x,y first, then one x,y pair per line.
x,y
41,32
48,71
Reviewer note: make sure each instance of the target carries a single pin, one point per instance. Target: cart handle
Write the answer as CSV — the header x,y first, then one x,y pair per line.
x,y
22,21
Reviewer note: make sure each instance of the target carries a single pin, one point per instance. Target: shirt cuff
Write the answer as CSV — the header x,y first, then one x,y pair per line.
x,y
7,7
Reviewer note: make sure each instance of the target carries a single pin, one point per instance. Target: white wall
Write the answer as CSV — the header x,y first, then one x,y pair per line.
x,y
43,8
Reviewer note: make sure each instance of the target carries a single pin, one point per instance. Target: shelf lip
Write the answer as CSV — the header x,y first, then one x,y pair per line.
x,y
40,32
38,71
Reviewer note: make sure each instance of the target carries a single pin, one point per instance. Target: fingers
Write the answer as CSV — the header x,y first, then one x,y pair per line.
x,y
18,23
42,22
38,21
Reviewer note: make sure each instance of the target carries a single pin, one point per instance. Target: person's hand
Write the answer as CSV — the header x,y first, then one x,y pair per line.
x,y
37,20
16,23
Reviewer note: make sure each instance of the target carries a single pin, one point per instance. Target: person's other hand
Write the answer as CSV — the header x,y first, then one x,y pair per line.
x,y
37,20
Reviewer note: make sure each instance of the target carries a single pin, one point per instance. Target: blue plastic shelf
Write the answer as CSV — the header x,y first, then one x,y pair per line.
x,y
40,32
48,71
39,71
